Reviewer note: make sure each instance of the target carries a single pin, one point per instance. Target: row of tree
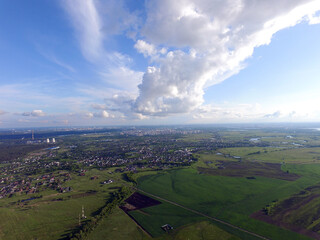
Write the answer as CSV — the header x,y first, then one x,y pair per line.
x,y
116,199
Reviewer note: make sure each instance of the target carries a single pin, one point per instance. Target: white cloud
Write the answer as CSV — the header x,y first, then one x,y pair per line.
x,y
52,57
34,113
102,114
218,35
122,78
276,114
192,44
116,18
37,113
89,115
121,105
314,18
87,23
95,23
62,64
98,106
172,87
228,112
2,112
145,48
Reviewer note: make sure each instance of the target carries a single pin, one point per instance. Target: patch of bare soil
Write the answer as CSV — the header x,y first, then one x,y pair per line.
x,y
81,195
138,201
249,169
262,216
291,206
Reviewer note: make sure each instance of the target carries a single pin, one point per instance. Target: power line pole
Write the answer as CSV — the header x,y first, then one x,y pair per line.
x,y
83,216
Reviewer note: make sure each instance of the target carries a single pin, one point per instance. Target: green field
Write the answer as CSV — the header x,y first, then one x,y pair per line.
x,y
232,199
202,230
277,155
300,211
154,217
119,226
226,174
55,214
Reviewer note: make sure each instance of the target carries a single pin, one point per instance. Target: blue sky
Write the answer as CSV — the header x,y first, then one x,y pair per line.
x,y
90,62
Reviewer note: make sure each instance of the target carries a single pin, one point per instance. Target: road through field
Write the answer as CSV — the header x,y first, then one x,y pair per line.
x,y
202,214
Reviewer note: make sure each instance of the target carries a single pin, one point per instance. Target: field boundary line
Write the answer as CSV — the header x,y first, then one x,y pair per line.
x,y
136,222
204,215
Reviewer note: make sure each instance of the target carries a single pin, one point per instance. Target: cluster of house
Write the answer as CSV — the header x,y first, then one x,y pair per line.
x,y
150,156
14,185
156,132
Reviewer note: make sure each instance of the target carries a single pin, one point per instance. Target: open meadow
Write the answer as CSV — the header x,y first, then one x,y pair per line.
x,y
232,199
54,215
205,184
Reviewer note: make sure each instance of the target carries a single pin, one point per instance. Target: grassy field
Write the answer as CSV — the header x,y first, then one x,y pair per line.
x,y
152,218
197,137
55,214
232,199
299,212
250,170
200,230
276,155
118,226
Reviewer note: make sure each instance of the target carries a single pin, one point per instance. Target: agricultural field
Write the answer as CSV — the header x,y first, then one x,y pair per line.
x,y
249,170
299,212
232,199
163,184
276,155
120,226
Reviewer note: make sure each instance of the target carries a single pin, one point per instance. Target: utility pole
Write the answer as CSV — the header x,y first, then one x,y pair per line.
x,y
83,216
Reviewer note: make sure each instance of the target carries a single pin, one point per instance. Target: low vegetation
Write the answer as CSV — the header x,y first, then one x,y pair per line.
x,y
264,181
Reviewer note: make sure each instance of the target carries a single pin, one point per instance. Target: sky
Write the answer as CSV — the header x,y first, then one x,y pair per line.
x,y
144,62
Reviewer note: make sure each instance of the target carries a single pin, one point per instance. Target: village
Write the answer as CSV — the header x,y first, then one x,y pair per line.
x,y
128,150
10,185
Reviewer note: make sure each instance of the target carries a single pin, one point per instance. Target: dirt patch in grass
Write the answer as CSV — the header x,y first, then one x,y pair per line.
x,y
249,169
262,216
81,195
143,212
294,214
138,201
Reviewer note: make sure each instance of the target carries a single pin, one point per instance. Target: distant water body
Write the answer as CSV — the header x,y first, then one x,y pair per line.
x,y
318,129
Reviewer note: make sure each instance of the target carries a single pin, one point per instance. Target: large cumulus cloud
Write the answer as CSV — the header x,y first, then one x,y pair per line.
x,y
207,41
